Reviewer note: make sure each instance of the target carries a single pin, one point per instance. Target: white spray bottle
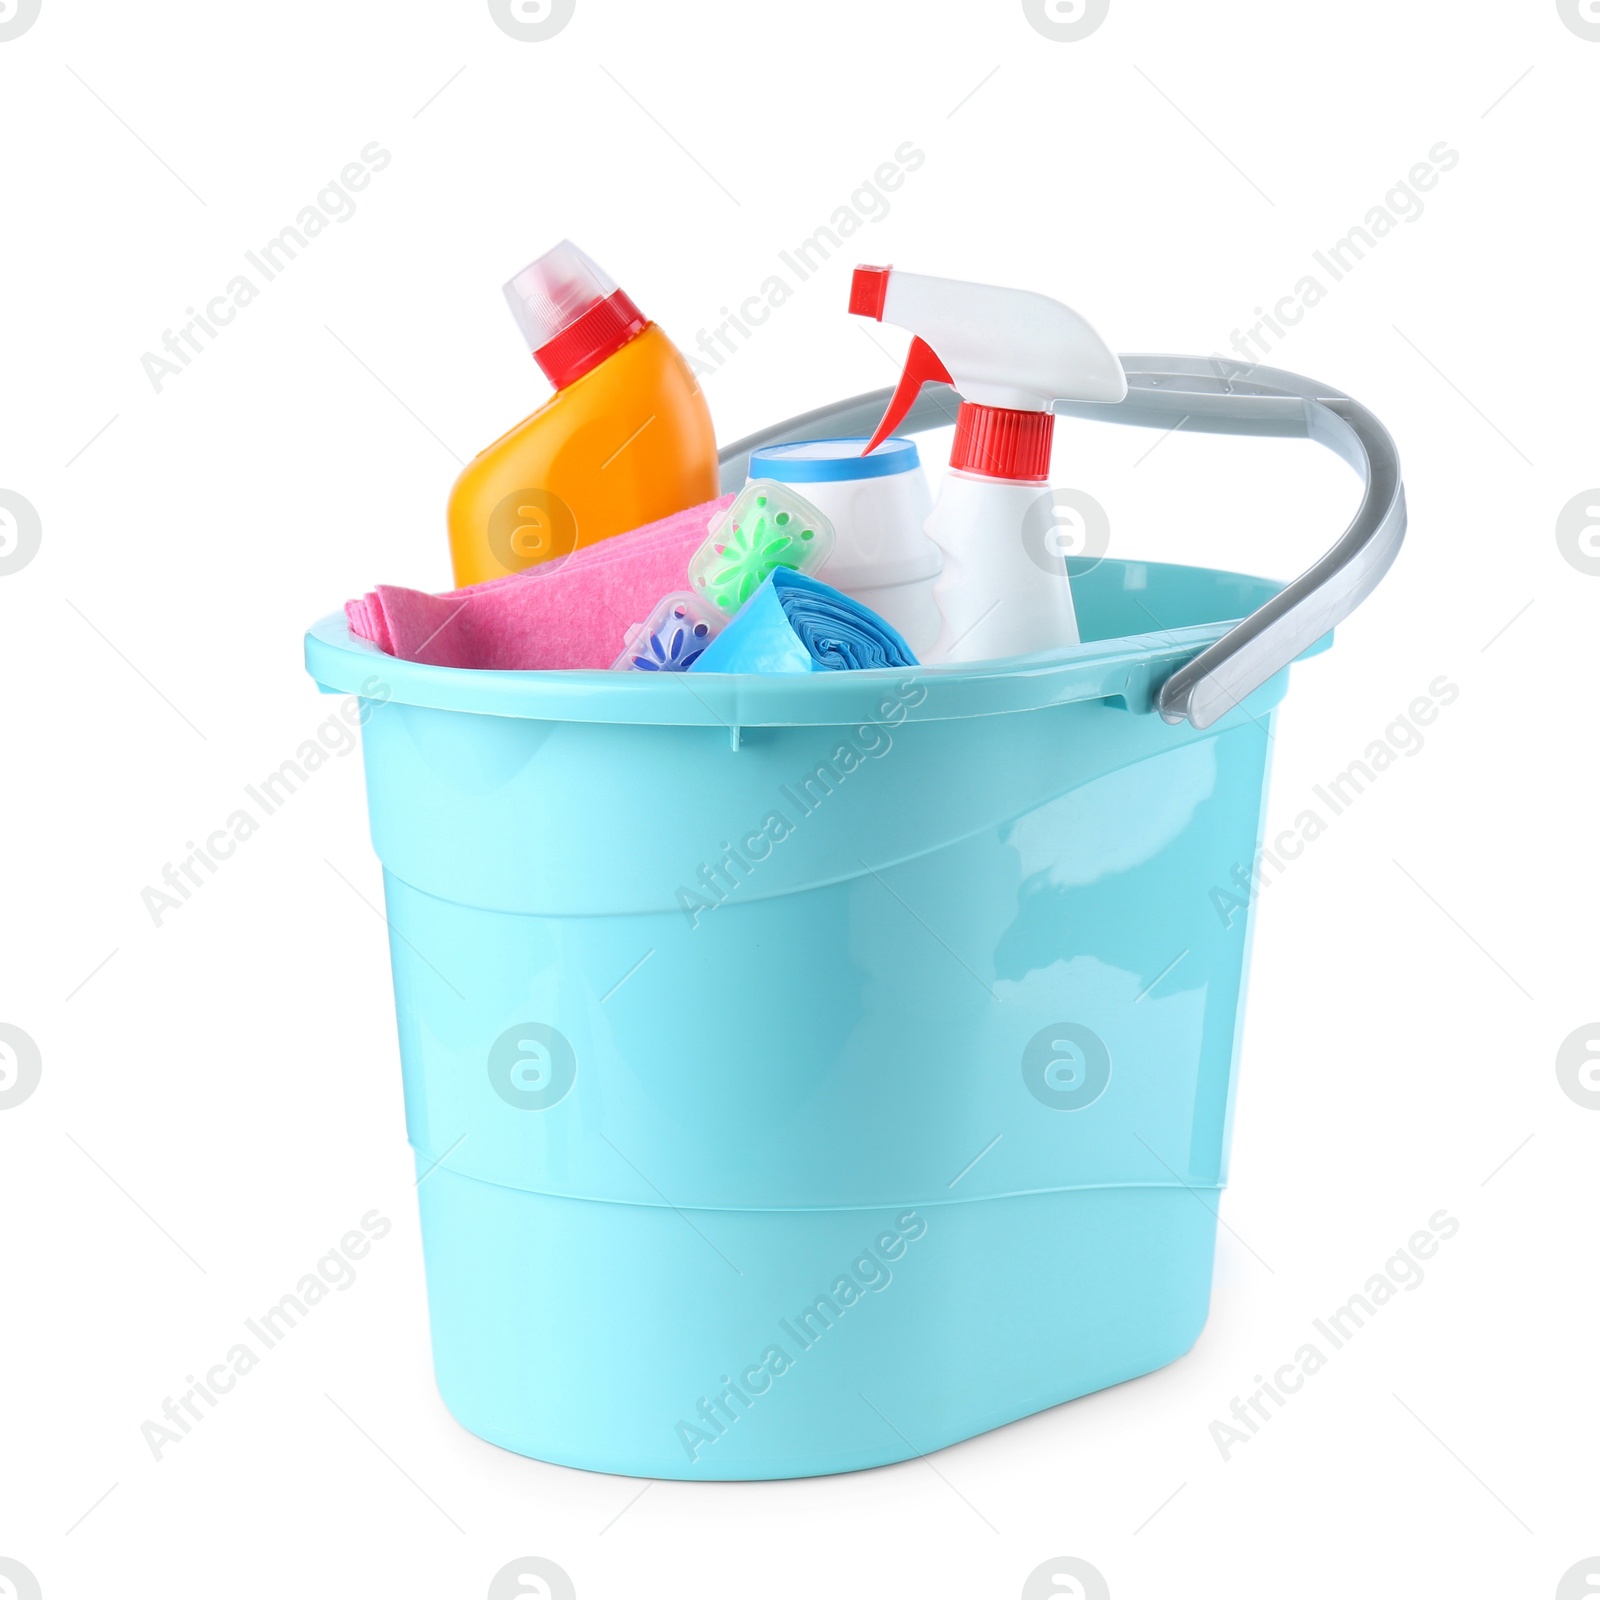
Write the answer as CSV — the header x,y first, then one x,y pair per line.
x,y
1011,354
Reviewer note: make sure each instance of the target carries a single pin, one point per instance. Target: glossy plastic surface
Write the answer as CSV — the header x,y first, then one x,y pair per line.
x,y
625,444
984,969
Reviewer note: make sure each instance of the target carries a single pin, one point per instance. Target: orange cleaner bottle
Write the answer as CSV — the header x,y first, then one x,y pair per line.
x,y
625,439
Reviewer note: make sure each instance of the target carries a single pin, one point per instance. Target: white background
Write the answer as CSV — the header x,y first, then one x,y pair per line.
x,y
220,1096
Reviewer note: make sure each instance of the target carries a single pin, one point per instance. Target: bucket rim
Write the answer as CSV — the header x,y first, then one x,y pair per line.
x,y
1126,672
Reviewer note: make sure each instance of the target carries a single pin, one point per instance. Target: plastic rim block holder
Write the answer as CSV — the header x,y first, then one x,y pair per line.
x,y
801,1073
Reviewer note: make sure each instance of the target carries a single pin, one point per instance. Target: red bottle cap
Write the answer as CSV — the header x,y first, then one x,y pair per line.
x,y
601,331
1000,443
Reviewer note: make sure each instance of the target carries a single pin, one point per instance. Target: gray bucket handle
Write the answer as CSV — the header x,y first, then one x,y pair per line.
x,y
1206,395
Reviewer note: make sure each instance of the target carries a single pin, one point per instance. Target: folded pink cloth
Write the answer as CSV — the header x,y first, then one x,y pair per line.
x,y
566,614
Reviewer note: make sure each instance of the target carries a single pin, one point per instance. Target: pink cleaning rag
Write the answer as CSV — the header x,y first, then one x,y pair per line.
x,y
569,614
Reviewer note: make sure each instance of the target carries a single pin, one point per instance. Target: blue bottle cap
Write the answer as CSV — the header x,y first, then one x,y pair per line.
x,y
833,460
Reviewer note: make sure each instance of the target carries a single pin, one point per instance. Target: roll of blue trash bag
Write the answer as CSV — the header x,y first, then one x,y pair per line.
x,y
793,623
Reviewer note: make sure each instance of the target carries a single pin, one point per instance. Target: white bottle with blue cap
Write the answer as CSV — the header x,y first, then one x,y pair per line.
x,y
877,504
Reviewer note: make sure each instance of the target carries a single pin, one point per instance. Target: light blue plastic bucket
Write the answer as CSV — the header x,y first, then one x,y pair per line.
x,y
808,1073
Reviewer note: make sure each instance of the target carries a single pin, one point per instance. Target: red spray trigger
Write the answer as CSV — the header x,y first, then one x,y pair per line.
x,y
922,366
